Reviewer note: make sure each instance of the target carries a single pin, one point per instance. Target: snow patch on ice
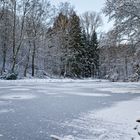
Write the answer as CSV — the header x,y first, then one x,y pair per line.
x,y
121,90
6,111
47,92
54,137
69,137
20,89
116,122
68,92
17,96
88,94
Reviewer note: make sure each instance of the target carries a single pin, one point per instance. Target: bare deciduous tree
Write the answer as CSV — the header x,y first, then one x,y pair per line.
x,y
126,17
90,22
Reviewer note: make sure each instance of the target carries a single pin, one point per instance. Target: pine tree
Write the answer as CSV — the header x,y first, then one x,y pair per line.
x,y
75,45
85,51
94,54
90,55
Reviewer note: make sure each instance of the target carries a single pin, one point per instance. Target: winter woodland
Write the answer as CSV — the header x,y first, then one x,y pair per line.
x,y
38,39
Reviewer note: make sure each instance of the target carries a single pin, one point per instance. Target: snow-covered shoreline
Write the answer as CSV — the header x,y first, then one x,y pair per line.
x,y
114,123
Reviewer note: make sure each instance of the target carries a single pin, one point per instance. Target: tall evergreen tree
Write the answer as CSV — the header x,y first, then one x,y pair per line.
x,y
94,54
85,51
90,55
75,45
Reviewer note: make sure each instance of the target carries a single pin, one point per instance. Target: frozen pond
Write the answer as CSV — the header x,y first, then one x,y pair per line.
x,y
36,109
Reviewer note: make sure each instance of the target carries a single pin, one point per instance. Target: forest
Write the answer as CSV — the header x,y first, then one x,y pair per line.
x,y
38,39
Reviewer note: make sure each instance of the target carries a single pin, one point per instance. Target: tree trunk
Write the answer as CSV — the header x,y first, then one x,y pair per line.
x,y
4,61
33,59
126,69
14,37
28,59
13,65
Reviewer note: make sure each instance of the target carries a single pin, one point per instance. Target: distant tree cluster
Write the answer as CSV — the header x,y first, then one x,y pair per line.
x,y
78,49
38,39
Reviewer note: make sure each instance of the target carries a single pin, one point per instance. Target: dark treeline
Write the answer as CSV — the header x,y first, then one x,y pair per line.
x,y
39,40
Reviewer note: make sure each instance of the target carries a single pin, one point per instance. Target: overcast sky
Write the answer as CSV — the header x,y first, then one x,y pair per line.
x,y
88,5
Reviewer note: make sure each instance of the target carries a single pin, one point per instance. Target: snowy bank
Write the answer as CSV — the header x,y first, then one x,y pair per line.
x,y
114,123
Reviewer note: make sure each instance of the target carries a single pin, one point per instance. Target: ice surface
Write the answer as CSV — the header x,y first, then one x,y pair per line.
x,y
6,111
17,96
3,103
113,120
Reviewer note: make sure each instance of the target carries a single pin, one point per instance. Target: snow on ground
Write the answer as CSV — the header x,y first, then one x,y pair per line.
x,y
114,123
18,82
123,116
